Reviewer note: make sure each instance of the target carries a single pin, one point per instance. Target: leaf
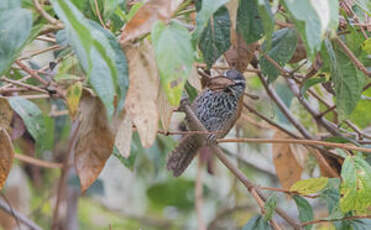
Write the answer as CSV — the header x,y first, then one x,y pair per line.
x,y
123,135
269,207
208,8
31,116
6,155
305,210
6,114
283,47
257,223
151,12
15,27
165,110
331,196
240,55
249,22
129,161
172,193
366,46
356,185
215,38
309,186
365,5
73,96
95,140
287,166
311,82
94,51
347,80
313,19
174,58
141,99
121,65
266,15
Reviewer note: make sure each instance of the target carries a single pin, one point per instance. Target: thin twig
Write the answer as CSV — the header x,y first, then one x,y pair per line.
x,y
352,57
99,15
20,217
37,162
63,179
47,16
27,86
297,141
287,192
333,220
199,196
41,51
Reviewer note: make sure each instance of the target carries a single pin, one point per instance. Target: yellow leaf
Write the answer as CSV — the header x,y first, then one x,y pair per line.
x,y
73,96
309,186
6,155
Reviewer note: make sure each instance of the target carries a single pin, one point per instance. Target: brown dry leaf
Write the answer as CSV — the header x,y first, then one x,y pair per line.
x,y
6,155
194,79
165,110
95,140
146,16
300,52
325,164
240,55
6,114
124,134
141,99
288,168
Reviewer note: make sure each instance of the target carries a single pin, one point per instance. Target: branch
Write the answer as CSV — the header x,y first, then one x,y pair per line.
x,y
342,219
352,57
37,162
47,16
257,195
297,141
19,216
198,196
272,93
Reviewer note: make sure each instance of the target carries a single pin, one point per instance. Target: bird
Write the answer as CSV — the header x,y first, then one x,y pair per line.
x,y
217,107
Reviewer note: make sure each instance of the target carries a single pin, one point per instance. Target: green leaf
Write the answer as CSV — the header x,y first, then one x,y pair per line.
x,y
366,46
356,185
347,80
313,19
283,47
110,7
311,82
174,57
127,162
208,8
120,64
191,91
266,15
215,39
94,51
249,22
257,223
305,210
309,186
172,193
15,27
31,116
269,207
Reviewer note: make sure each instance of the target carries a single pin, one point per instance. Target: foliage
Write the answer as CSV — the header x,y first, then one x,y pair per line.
x,y
94,83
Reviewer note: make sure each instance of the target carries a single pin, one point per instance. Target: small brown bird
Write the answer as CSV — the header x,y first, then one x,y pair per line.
x,y
217,108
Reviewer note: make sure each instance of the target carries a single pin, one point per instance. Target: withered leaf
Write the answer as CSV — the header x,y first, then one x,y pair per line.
x,y
6,114
165,110
95,140
146,16
287,166
124,134
141,99
6,155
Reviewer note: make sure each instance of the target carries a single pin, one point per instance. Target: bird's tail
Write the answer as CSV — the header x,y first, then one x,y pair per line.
x,y
183,154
